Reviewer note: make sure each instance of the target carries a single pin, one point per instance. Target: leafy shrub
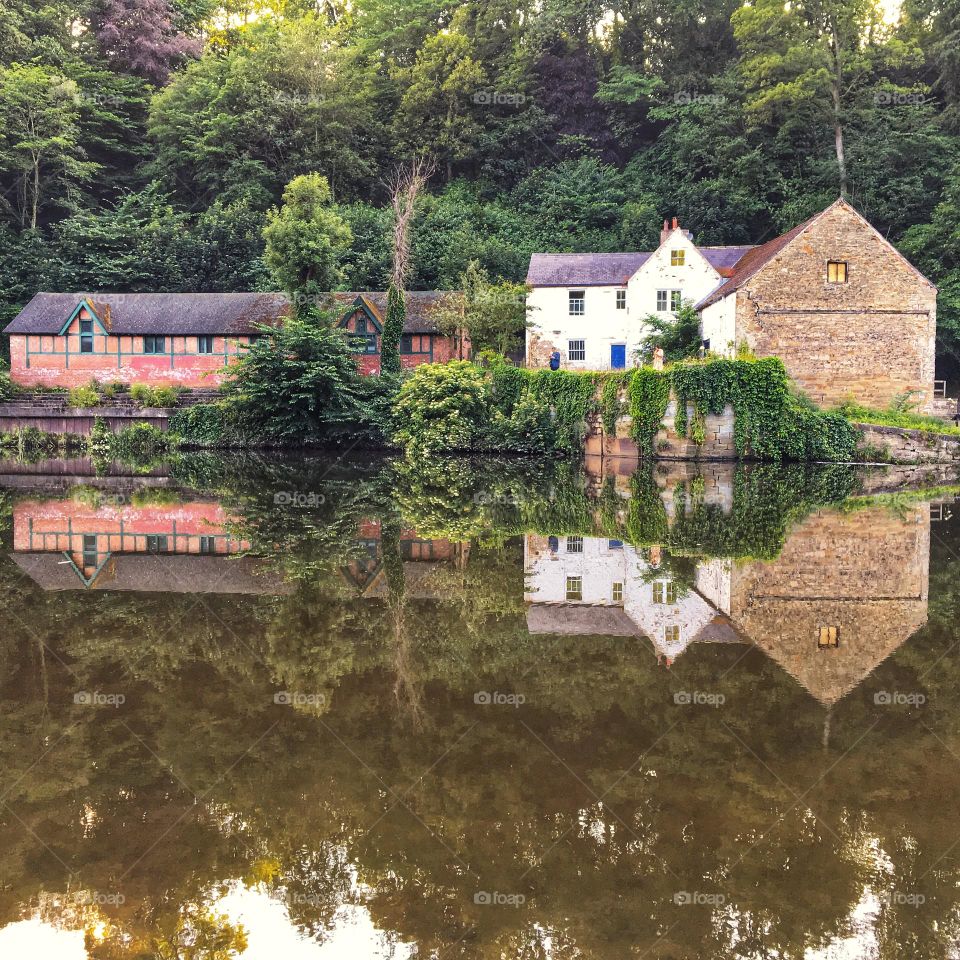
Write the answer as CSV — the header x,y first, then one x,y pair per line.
x,y
143,395
7,387
893,417
87,396
204,425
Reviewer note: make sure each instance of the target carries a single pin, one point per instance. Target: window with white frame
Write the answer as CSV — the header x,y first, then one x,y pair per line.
x,y
577,350
621,299
663,301
574,544
578,302
671,634
675,300
575,588
617,592
664,591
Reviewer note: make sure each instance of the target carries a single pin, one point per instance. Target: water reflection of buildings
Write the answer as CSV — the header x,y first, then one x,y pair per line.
x,y
100,541
844,593
424,562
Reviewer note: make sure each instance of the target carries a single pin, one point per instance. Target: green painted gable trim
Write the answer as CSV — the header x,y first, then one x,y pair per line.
x,y
361,304
73,316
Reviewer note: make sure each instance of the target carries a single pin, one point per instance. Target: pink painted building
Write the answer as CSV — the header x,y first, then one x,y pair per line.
x,y
189,339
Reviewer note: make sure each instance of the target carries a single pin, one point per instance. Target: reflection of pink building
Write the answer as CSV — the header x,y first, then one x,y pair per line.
x,y
178,548
181,339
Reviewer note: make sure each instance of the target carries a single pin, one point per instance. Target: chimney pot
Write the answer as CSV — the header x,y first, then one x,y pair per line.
x,y
675,224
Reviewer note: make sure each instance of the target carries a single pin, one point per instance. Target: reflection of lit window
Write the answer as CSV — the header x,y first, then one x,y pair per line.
x,y
664,592
671,634
574,588
574,544
828,637
836,271
618,593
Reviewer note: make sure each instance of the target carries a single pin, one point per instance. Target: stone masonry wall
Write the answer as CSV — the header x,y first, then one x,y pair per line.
x,y
870,338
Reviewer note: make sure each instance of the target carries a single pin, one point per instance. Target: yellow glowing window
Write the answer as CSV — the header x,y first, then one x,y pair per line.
x,y
828,637
678,258
618,593
671,634
836,271
574,588
664,592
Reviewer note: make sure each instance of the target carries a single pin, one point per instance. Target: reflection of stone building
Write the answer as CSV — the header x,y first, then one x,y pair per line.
x,y
103,542
424,561
845,592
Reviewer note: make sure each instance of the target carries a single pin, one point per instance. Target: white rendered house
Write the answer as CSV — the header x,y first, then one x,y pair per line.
x,y
590,307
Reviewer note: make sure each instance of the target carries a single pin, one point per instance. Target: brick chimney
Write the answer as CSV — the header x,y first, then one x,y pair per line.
x,y
667,229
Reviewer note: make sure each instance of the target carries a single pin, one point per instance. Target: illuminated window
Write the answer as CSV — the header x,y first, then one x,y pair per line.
x,y
664,592
621,299
617,593
574,544
578,302
678,258
574,588
836,271
828,637
671,634
577,349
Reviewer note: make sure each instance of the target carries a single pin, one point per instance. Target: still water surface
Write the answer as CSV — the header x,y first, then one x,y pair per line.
x,y
344,709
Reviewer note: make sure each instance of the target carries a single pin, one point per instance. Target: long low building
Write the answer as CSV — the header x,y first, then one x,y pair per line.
x,y
840,305
190,339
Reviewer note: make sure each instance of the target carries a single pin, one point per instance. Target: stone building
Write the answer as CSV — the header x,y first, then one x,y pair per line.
x,y
845,311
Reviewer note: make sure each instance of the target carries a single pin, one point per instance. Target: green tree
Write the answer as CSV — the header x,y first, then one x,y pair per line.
x,y
39,141
393,325
306,238
677,335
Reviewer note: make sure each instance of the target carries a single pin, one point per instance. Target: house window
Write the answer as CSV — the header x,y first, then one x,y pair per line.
x,y
416,549
156,544
575,588
621,299
671,634
828,637
412,343
836,271
617,593
578,301
574,544
664,592
361,324
89,550
675,300
208,545
662,300
678,258
577,349
86,336
204,344
153,344
363,343
614,544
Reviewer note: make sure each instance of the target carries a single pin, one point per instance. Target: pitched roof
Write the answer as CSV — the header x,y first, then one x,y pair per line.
x,y
173,314
611,269
421,305
179,314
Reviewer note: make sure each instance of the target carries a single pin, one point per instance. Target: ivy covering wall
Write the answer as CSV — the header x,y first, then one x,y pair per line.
x,y
464,407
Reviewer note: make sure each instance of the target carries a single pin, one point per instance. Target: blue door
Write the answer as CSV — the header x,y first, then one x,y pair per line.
x,y
618,356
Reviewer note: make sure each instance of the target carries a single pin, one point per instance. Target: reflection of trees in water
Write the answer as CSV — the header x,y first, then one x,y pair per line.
x,y
598,800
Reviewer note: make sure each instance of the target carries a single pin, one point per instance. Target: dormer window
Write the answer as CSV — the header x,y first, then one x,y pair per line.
x,y
86,336
836,271
678,258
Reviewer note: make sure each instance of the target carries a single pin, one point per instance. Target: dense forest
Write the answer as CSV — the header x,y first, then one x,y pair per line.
x,y
143,142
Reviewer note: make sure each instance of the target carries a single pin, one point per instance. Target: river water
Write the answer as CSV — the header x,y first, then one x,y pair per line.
x,y
349,708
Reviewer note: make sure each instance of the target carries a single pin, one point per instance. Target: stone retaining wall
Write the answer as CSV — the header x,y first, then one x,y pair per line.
x,y
899,445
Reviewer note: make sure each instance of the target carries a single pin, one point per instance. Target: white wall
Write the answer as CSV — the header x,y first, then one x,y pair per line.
x,y
602,325
719,325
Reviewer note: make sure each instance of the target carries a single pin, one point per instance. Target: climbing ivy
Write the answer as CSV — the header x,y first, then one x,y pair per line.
x,y
649,397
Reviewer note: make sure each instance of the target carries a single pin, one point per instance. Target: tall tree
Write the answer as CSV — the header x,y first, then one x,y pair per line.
x,y
41,158
306,238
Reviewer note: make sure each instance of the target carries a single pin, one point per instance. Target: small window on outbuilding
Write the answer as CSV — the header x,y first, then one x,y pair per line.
x,y
208,545
156,544
828,637
86,336
836,271
154,344
205,344
90,554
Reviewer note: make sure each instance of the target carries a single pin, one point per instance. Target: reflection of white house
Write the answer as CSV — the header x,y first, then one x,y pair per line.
x,y
591,586
590,306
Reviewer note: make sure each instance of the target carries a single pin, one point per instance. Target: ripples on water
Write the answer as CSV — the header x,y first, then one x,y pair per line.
x,y
362,708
